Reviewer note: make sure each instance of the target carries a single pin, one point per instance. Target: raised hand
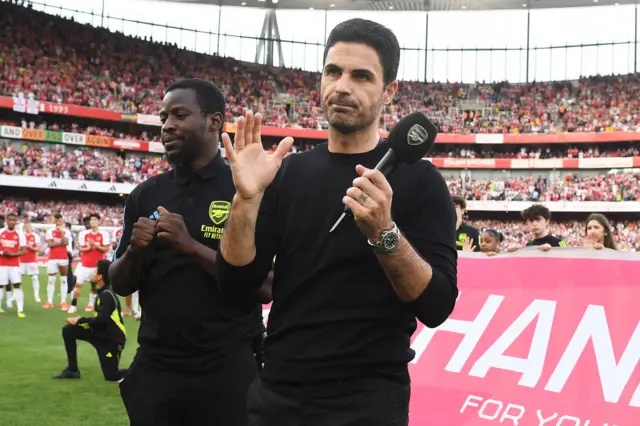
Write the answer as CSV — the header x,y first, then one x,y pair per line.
x,y
253,168
468,245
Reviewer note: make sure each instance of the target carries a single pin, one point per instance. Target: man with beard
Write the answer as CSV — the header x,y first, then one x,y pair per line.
x,y
196,357
344,302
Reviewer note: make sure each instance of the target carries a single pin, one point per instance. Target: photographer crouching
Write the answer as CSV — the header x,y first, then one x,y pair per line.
x,y
105,331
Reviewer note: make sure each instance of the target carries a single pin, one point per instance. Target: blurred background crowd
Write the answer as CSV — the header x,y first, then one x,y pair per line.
x,y
49,59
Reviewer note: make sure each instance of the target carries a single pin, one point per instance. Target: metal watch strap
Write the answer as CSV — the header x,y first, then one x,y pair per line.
x,y
389,236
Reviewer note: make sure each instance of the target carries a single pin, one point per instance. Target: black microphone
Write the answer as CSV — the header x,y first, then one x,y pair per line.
x,y
409,141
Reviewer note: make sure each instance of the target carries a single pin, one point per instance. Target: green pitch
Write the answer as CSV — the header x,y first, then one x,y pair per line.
x,y
32,352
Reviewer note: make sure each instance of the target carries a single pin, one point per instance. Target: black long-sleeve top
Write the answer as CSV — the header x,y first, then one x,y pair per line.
x,y
106,324
335,314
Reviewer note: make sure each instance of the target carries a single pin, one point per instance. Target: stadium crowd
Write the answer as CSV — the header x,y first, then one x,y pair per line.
x,y
623,186
627,232
54,59
65,162
72,211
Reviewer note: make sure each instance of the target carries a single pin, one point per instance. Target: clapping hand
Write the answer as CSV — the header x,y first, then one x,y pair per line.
x,y
170,227
253,168
144,230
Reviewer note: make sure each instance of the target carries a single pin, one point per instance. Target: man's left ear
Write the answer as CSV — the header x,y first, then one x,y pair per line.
x,y
390,92
216,122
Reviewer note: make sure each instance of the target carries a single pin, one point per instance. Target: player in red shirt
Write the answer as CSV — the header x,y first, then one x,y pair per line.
x,y
58,239
12,245
28,261
93,244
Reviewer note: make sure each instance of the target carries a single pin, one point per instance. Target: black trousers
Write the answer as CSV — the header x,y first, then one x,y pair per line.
x,y
156,397
71,279
371,402
108,352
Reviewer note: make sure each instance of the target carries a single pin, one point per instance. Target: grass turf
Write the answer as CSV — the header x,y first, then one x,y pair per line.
x,y
32,352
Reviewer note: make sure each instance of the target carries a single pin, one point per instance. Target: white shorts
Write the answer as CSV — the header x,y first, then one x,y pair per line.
x,y
53,265
83,274
10,275
30,268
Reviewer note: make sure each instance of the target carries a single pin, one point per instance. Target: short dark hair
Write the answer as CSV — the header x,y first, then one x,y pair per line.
x,y
68,225
57,216
210,98
86,219
103,269
535,211
460,202
11,214
377,36
96,215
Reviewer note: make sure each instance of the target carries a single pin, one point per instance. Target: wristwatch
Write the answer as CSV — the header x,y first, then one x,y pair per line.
x,y
388,240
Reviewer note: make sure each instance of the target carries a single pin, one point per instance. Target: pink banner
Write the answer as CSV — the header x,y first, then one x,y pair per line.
x,y
536,339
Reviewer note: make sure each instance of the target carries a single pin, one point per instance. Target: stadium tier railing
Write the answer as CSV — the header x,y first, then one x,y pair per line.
x,y
93,141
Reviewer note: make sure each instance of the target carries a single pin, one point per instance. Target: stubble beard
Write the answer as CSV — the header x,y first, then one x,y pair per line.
x,y
353,123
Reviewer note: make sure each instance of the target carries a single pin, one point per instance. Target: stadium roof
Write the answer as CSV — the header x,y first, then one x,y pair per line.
x,y
434,5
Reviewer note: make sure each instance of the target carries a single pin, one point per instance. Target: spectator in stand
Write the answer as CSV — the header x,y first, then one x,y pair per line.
x,y
599,233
